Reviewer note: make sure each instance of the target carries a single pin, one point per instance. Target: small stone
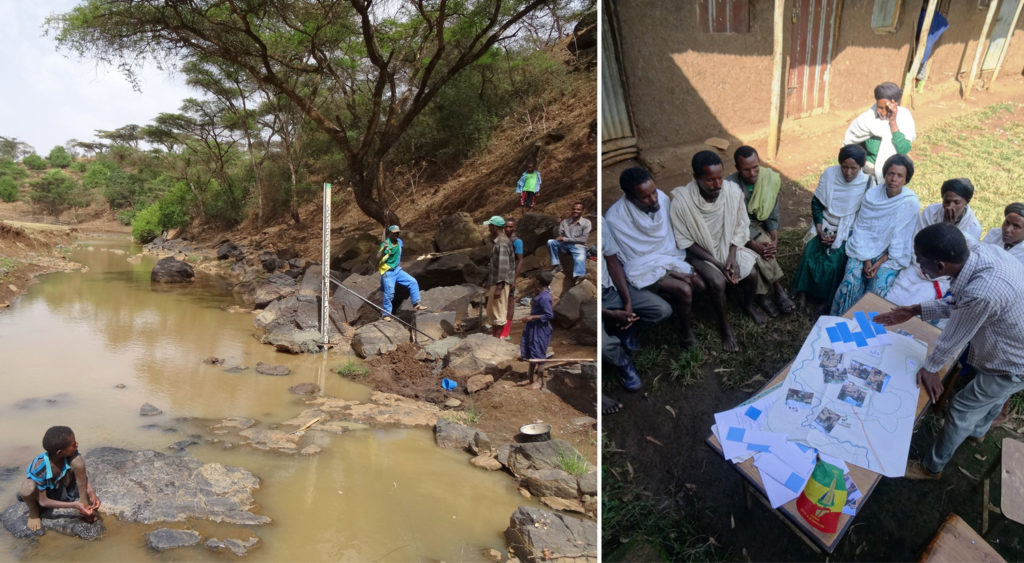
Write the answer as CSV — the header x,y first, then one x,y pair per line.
x,y
486,462
584,421
149,410
214,361
453,403
238,547
271,369
120,386
311,450
493,555
304,388
478,382
163,539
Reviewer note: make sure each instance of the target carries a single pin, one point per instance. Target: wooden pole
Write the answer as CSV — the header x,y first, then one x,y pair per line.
x,y
1006,44
774,118
981,47
922,43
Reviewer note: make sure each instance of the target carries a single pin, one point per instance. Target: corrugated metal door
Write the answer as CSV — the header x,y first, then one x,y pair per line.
x,y
618,139
812,33
1000,29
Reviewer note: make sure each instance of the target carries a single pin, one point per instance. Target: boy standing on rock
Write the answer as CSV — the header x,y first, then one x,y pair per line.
x,y
389,255
55,477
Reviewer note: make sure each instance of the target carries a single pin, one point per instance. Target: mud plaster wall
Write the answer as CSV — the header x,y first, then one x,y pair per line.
x,y
954,53
684,84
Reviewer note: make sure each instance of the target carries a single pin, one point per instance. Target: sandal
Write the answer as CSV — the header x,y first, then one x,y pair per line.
x,y
418,307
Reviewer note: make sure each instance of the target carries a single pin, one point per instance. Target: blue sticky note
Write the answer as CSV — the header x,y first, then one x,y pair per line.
x,y
794,483
844,332
858,337
833,334
758,447
872,314
879,329
735,434
802,447
753,412
864,323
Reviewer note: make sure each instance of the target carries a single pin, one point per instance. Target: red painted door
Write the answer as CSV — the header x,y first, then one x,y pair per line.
x,y
812,32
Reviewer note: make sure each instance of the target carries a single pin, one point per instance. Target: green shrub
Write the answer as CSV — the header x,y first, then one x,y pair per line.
x,y
175,206
59,157
146,224
573,464
126,216
56,192
10,168
35,162
78,166
97,173
8,189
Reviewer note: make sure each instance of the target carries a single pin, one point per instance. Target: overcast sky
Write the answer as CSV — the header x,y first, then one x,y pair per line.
x,y
48,97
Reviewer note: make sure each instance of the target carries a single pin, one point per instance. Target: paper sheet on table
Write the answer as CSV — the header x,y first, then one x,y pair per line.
x,y
739,428
860,406
785,471
853,495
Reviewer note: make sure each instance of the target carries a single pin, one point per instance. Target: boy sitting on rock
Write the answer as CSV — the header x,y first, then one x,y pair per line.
x,y
55,477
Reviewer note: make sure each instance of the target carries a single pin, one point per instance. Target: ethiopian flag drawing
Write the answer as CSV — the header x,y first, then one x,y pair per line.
x,y
823,498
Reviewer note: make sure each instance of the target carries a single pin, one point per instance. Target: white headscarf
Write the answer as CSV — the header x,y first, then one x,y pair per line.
x,y
995,238
885,224
841,200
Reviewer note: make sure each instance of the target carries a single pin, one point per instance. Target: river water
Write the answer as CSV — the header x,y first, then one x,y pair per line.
x,y
86,350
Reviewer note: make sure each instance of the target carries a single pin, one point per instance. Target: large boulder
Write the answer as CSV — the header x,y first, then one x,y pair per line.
x,y
362,246
445,271
586,330
451,435
551,483
478,353
65,521
312,283
456,298
294,341
536,456
228,249
148,486
569,309
170,270
379,338
536,535
346,307
457,231
415,243
535,229
433,325
269,260
274,287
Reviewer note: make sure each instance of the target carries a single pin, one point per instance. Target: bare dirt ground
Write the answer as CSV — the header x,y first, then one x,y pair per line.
x,y
675,498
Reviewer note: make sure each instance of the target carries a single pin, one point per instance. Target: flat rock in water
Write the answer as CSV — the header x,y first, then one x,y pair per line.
x,y
485,462
383,409
66,521
305,388
240,422
147,486
271,439
163,539
149,410
536,534
238,547
270,369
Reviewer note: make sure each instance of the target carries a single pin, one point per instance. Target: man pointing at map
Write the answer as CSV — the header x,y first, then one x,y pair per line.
x,y
984,309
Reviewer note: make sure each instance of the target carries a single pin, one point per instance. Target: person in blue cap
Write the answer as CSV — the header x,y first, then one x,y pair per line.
x,y
389,255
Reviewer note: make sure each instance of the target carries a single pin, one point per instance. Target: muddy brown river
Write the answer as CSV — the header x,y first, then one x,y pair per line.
x,y
88,349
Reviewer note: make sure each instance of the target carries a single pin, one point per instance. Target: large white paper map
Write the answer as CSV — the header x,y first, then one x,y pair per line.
x,y
857,405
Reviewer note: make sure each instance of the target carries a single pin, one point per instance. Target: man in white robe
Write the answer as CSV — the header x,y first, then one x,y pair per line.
x,y
709,221
639,223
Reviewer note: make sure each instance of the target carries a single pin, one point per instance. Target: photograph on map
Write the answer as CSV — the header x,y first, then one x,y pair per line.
x,y
799,399
853,394
859,370
830,358
827,420
834,375
877,380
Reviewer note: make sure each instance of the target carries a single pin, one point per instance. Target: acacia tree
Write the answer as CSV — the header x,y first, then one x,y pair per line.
x,y
374,64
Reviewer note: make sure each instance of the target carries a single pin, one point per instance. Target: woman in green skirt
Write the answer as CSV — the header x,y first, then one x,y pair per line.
x,y
833,210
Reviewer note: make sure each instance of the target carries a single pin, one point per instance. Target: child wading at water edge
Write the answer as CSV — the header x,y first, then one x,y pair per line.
x,y
54,479
537,333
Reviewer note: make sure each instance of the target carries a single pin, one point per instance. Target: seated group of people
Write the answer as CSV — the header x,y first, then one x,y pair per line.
x,y
716,232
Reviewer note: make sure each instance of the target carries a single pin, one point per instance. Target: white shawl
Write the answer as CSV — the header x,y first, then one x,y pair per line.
x,y
713,225
645,243
841,200
995,237
868,125
885,224
911,287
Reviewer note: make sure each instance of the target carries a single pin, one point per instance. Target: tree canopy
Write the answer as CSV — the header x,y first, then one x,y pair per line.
x,y
360,70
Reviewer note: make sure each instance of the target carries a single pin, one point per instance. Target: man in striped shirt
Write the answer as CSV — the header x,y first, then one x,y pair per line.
x,y
984,309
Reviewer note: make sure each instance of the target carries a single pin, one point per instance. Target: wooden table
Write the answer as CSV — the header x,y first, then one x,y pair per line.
x,y
865,479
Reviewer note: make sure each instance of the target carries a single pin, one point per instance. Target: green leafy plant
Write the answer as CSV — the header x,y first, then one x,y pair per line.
x,y
352,368
56,192
146,224
35,162
59,157
8,189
